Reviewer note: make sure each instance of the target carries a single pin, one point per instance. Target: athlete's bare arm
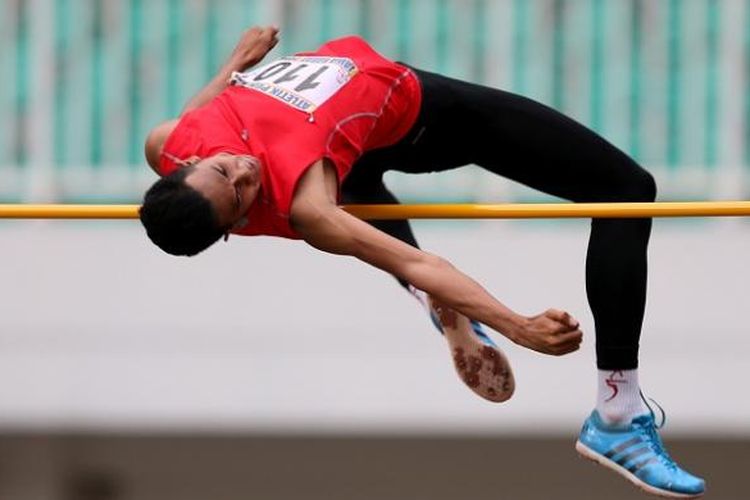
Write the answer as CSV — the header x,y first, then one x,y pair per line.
x,y
253,46
324,225
255,43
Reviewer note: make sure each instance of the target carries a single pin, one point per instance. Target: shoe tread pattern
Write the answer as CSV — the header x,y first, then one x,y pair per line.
x,y
484,369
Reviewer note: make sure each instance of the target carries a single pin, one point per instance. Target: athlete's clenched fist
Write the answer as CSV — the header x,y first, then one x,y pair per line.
x,y
252,47
552,332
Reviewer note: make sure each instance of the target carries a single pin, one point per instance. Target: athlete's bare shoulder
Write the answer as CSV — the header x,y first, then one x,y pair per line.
x,y
155,142
316,217
315,193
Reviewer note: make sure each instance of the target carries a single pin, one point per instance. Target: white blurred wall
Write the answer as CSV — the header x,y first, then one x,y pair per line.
x,y
99,330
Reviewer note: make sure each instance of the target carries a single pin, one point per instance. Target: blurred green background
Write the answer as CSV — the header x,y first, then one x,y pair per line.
x,y
84,80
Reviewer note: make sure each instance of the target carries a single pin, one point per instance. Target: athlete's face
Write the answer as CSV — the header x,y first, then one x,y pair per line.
x,y
229,182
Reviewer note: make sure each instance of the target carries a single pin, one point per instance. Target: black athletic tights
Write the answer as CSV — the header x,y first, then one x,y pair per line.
x,y
462,123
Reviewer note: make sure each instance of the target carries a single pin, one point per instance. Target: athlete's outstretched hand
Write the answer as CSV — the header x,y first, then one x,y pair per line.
x,y
552,332
253,46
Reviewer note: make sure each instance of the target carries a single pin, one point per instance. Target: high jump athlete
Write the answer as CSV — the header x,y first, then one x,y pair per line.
x,y
273,150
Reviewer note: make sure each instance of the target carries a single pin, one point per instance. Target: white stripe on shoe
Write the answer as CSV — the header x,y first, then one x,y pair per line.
x,y
600,459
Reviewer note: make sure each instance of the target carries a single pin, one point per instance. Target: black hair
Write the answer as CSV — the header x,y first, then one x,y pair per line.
x,y
177,218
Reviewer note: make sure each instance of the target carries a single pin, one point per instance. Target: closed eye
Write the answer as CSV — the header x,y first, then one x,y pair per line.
x,y
221,171
237,196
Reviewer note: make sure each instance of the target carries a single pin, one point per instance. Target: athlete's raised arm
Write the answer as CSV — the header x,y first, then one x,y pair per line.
x,y
322,224
252,47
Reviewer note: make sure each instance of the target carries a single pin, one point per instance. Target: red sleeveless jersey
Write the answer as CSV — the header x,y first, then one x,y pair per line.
x,y
337,102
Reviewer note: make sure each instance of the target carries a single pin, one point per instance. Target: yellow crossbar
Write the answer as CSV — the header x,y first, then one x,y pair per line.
x,y
460,211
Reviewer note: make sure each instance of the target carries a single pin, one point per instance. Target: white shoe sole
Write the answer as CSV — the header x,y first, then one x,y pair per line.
x,y
483,368
597,458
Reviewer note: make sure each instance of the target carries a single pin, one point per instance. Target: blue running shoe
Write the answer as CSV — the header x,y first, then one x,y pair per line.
x,y
479,362
636,452
476,328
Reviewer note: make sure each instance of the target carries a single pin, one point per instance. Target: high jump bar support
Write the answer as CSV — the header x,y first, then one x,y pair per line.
x,y
431,211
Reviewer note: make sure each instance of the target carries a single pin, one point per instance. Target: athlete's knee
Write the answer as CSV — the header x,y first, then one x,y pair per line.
x,y
641,186
638,185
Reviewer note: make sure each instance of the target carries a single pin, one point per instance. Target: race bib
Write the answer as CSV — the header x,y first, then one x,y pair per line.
x,y
302,82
